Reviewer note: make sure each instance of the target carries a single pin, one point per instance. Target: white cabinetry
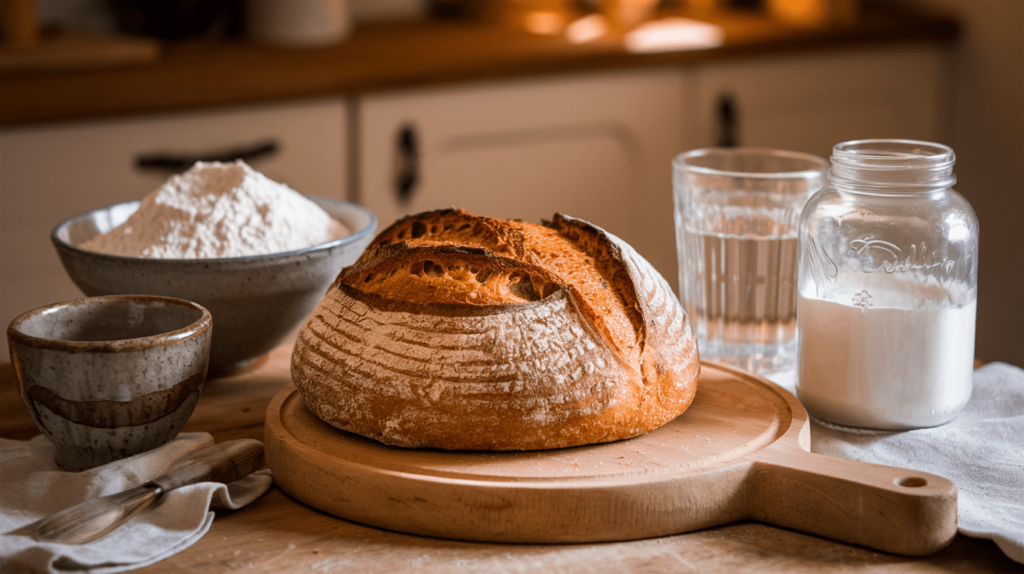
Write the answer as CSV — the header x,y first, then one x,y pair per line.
x,y
595,146
810,102
599,146
51,172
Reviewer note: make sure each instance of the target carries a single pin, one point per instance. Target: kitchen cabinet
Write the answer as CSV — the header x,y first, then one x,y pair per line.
x,y
811,101
49,172
596,146
599,146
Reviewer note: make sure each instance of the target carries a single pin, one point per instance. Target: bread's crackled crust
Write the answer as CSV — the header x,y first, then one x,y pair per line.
x,y
457,331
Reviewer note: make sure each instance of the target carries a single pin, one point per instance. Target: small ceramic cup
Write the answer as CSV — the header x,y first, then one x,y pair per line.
x,y
105,378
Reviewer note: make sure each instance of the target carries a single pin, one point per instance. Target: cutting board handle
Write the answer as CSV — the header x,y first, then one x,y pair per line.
x,y
886,508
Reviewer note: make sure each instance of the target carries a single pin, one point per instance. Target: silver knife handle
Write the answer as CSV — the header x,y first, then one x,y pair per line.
x,y
224,462
95,518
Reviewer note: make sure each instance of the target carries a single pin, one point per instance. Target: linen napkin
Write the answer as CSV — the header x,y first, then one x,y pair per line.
x,y
32,487
982,451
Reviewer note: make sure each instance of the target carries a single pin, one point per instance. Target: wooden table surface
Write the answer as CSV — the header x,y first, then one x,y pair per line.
x,y
278,534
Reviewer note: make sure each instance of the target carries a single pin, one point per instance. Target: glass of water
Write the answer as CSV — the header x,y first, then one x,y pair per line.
x,y
736,212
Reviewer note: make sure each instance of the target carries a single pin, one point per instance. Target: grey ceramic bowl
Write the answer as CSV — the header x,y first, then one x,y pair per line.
x,y
256,301
109,377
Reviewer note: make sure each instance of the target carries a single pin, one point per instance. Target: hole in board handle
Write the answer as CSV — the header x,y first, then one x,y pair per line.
x,y
911,481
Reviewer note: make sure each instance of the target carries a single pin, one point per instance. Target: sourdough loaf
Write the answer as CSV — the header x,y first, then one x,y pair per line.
x,y
456,331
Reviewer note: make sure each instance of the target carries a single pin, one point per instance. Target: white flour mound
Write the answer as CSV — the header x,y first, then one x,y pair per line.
x,y
219,210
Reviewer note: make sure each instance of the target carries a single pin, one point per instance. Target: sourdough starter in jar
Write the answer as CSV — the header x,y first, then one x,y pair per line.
x,y
887,289
870,358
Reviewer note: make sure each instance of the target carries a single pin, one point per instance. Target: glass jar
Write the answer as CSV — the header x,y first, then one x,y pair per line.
x,y
887,289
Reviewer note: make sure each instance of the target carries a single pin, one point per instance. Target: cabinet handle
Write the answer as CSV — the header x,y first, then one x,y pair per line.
x,y
179,163
727,121
407,163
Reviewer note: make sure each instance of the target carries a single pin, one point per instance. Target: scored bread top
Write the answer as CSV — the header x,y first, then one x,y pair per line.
x,y
452,257
458,331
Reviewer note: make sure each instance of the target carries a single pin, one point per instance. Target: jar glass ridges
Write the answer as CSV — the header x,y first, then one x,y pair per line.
x,y
887,289
736,227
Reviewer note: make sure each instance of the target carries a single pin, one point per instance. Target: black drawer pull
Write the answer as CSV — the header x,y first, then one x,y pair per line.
x,y
727,122
179,163
407,163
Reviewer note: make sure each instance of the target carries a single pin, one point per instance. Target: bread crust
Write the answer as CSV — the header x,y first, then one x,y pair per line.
x,y
456,331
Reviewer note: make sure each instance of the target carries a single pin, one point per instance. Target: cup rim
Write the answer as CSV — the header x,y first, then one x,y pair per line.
x,y
681,162
202,325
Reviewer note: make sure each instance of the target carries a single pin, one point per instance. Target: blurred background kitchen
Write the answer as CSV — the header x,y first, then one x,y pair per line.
x,y
510,108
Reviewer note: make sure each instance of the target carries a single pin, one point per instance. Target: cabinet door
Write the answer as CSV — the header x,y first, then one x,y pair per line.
x,y
594,146
810,102
51,172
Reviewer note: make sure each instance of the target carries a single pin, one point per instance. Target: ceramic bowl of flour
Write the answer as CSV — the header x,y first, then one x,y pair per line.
x,y
257,301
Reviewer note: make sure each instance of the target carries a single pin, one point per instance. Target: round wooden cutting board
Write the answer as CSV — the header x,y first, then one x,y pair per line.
x,y
741,451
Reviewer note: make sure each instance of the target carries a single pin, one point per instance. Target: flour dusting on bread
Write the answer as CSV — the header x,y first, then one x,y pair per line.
x,y
457,331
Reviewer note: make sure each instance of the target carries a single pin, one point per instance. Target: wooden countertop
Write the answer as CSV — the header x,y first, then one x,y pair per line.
x,y
397,55
277,533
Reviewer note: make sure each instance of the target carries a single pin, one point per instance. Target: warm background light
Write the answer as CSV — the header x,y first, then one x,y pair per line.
x,y
544,23
814,12
670,34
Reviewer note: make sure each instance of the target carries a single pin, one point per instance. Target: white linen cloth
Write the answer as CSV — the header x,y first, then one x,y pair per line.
x,y
32,487
982,451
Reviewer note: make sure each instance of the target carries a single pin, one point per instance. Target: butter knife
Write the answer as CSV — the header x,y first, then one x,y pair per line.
x,y
95,518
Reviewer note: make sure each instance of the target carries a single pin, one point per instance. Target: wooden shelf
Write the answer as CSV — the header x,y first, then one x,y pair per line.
x,y
74,52
398,55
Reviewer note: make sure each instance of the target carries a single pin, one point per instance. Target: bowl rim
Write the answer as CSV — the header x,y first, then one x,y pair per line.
x,y
197,328
354,237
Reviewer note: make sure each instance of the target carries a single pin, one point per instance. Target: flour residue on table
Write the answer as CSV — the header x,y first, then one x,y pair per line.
x,y
219,210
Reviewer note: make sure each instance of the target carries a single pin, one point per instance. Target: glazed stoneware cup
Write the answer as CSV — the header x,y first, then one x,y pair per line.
x,y
109,377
